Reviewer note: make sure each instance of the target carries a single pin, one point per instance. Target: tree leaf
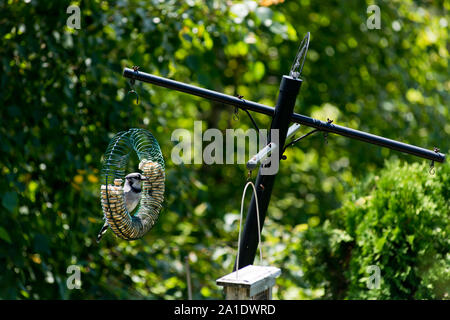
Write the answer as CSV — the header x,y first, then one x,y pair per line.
x,y
4,235
10,200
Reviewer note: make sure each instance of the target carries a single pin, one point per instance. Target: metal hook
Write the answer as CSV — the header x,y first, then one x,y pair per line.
x,y
137,96
432,169
236,109
236,116
132,87
325,134
132,81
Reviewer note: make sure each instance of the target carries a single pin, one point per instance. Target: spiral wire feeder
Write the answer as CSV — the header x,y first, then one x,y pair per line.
x,y
151,162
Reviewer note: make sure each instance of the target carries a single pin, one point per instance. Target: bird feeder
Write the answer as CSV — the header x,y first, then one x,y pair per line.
x,y
115,162
251,283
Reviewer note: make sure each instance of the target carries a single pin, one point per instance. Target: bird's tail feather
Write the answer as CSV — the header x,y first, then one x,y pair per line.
x,y
102,232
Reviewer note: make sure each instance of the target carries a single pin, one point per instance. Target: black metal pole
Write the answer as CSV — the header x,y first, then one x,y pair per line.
x,y
369,138
289,89
197,91
294,117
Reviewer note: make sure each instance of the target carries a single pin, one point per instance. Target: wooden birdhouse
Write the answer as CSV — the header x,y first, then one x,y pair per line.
x,y
250,283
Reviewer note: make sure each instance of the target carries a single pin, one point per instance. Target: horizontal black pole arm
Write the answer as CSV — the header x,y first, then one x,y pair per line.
x,y
197,91
367,137
298,118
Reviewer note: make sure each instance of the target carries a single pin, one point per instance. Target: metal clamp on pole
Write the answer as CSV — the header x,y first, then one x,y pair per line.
x,y
264,152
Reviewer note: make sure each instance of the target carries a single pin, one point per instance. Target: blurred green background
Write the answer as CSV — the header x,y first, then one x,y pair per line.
x,y
336,209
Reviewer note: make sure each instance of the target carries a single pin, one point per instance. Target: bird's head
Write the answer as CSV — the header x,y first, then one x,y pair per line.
x,y
135,178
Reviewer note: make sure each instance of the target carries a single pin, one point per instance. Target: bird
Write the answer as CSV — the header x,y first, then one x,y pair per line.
x,y
132,195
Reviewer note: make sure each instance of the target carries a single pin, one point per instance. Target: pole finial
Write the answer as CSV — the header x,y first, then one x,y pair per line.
x,y
297,66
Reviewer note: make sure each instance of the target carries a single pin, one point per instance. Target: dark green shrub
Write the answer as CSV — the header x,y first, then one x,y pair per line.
x,y
397,221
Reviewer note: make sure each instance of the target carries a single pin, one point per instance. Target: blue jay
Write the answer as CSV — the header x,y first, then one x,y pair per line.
x,y
132,194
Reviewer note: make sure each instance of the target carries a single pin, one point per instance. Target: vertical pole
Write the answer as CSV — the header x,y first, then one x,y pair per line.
x,y
188,277
289,89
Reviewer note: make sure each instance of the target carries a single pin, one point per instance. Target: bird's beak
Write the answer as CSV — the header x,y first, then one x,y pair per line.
x,y
144,178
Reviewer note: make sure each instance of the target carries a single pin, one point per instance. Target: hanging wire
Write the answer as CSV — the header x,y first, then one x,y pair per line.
x,y
240,225
298,139
253,120
325,134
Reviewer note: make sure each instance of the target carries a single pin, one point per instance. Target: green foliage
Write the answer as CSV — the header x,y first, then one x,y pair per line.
x,y
397,221
63,97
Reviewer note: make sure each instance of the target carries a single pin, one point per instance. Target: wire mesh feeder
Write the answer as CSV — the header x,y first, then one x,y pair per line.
x,y
115,162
